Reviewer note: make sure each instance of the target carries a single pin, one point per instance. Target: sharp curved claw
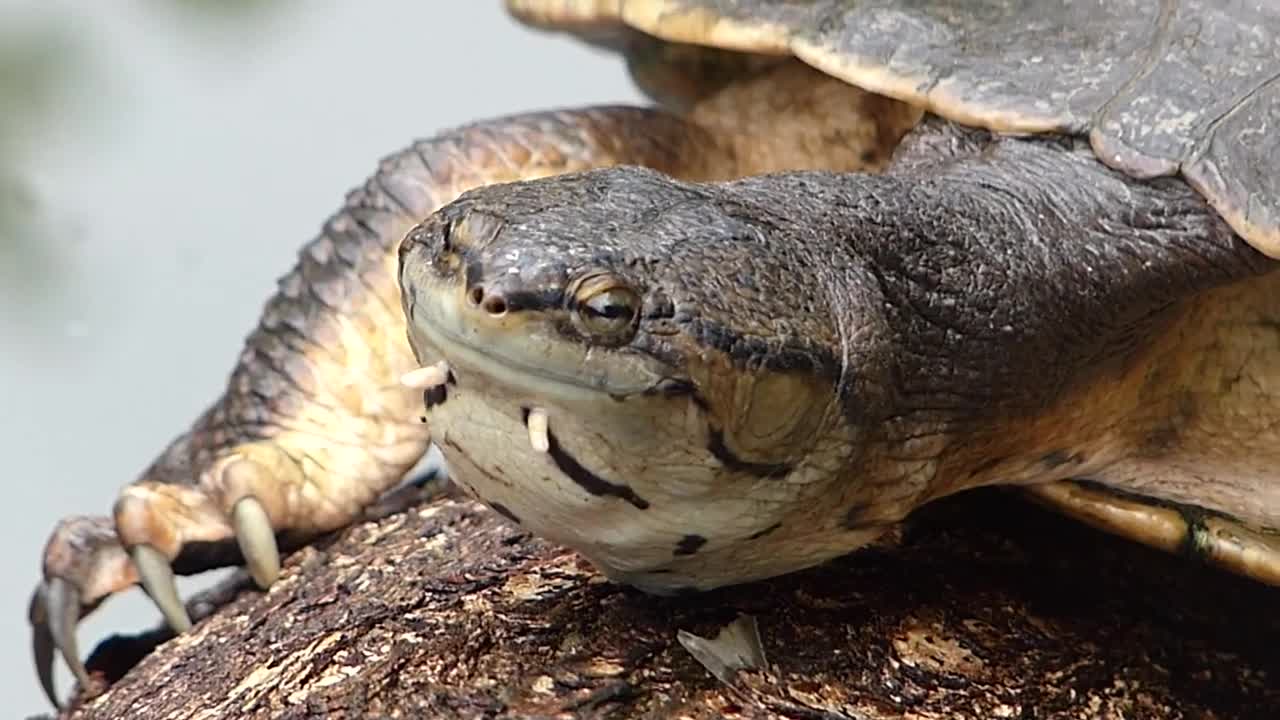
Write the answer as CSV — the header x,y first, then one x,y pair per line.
x,y
257,541
42,646
54,611
157,579
62,604
83,564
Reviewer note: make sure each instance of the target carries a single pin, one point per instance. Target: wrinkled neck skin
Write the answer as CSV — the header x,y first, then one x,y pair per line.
x,y
1049,319
819,354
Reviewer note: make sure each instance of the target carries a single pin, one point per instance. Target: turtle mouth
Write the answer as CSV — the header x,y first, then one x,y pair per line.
x,y
522,349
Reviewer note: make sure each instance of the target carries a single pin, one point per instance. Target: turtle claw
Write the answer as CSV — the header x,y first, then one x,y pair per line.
x,y
83,564
157,578
86,561
257,541
62,605
43,645
160,529
54,611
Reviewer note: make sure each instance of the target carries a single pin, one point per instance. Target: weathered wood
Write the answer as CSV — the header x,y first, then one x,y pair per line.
x,y
982,607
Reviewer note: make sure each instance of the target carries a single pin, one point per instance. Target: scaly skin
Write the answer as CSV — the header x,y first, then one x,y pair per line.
x,y
1160,89
314,424
723,382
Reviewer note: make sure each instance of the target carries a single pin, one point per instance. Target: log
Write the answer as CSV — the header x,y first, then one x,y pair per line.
x,y
980,606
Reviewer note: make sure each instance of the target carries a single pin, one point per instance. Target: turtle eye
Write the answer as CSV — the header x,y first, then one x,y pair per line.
x,y
446,237
607,311
445,259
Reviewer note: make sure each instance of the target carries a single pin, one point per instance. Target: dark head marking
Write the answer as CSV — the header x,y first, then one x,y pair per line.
x,y
689,544
586,479
759,534
505,512
435,395
716,445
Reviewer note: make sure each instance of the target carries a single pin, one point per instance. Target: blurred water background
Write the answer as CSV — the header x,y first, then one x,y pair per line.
x,y
161,161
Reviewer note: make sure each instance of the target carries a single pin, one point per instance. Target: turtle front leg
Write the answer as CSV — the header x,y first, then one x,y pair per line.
x,y
314,424
85,561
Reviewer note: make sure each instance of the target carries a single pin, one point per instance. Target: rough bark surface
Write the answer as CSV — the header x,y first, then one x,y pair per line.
x,y
981,607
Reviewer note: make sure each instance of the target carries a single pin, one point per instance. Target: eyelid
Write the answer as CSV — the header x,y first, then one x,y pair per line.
x,y
590,284
594,287
625,293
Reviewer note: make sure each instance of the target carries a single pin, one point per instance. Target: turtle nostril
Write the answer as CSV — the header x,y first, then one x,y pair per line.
x,y
495,305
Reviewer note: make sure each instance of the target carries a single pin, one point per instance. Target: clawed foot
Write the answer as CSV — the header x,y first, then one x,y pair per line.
x,y
85,563
160,530
230,516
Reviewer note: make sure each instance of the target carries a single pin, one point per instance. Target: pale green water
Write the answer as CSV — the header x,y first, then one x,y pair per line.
x,y
159,167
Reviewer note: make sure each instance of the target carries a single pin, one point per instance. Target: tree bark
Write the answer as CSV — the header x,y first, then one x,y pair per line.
x,y
981,606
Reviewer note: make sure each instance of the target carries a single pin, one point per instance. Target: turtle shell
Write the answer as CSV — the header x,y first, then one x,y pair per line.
x,y
1189,89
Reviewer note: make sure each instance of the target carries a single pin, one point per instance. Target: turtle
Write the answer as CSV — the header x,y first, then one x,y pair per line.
x,y
855,257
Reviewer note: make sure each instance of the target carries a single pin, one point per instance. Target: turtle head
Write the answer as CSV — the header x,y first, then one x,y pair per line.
x,y
526,290
673,376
